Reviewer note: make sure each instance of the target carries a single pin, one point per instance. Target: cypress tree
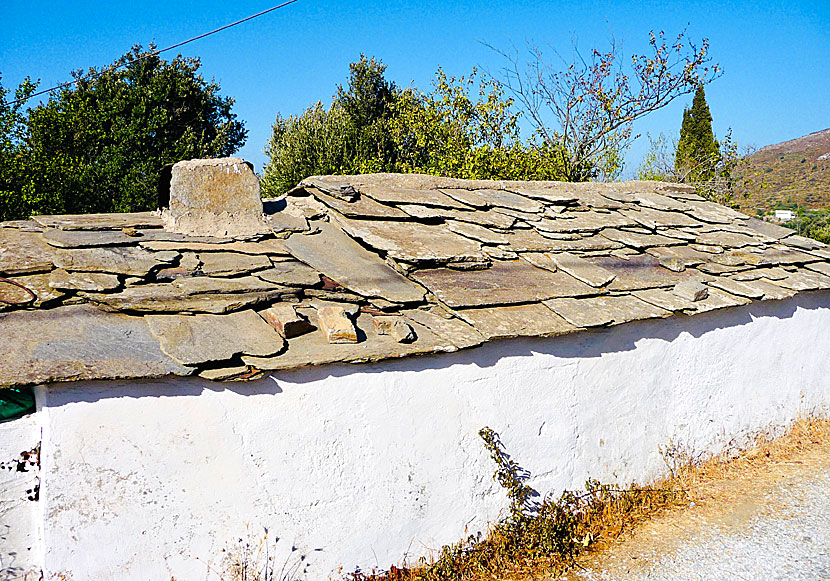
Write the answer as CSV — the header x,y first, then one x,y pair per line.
x,y
698,152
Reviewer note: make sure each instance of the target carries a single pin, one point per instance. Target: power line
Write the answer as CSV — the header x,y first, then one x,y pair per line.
x,y
157,52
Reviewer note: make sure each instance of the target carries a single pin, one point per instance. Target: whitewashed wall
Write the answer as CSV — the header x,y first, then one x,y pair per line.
x,y
21,552
366,465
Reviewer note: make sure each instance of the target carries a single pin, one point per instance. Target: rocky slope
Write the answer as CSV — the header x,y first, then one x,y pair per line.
x,y
792,172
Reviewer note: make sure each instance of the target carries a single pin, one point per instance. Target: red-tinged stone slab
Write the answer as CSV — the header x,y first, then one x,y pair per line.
x,y
504,283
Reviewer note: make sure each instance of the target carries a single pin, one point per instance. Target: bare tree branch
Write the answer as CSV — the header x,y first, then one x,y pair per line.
x,y
587,109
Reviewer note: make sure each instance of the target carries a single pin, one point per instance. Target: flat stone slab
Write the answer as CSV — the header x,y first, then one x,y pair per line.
x,y
551,194
128,260
738,288
313,349
24,253
79,342
225,373
467,197
638,240
87,238
665,300
215,197
196,339
657,201
532,241
581,269
587,221
605,310
270,246
451,329
659,219
101,221
691,290
711,212
782,255
38,284
402,195
505,199
218,285
770,289
505,282
727,239
820,267
768,228
477,232
803,243
687,255
488,218
290,273
719,299
84,281
349,264
232,263
532,320
171,298
414,242
362,207
637,272
287,220
22,225
582,243
805,280
540,260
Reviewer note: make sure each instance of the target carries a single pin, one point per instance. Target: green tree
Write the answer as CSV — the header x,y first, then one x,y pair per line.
x,y
99,145
12,165
698,152
464,127
367,103
350,137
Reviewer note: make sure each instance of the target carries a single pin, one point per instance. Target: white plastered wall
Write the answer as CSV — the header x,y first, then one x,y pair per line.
x,y
362,466
21,551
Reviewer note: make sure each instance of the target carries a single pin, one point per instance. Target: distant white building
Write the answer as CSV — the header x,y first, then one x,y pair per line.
x,y
784,215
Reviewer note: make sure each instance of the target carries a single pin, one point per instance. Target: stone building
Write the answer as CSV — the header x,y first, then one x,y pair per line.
x,y
195,381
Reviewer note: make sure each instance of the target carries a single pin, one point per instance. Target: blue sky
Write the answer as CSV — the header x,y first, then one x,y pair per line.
x,y
776,55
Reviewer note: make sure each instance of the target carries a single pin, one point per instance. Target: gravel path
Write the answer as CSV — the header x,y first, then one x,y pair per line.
x,y
778,529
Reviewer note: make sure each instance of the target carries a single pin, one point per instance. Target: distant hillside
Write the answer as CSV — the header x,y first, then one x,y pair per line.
x,y
793,172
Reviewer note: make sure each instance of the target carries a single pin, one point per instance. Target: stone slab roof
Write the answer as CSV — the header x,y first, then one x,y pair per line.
x,y
369,267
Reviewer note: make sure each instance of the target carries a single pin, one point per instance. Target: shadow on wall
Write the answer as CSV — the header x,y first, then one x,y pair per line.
x,y
587,344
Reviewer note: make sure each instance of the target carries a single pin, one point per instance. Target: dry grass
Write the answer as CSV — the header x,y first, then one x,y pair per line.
x,y
578,526
725,491
546,539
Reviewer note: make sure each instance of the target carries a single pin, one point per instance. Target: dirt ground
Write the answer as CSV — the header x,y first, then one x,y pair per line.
x,y
724,496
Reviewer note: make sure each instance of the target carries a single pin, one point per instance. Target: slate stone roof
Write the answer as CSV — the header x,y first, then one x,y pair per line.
x,y
417,264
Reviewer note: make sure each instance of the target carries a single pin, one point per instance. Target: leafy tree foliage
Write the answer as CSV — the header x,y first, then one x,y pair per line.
x,y
812,223
455,132
99,145
716,178
12,164
464,127
698,152
716,169
588,107
350,137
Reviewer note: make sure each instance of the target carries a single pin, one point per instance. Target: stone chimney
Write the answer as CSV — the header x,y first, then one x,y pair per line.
x,y
215,197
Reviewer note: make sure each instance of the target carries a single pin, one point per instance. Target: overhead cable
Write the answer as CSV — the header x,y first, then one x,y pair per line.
x,y
156,52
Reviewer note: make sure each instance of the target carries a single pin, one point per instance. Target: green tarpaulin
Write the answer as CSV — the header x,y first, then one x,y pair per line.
x,y
16,402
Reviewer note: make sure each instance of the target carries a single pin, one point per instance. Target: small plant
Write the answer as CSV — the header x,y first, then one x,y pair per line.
x,y
258,559
536,536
